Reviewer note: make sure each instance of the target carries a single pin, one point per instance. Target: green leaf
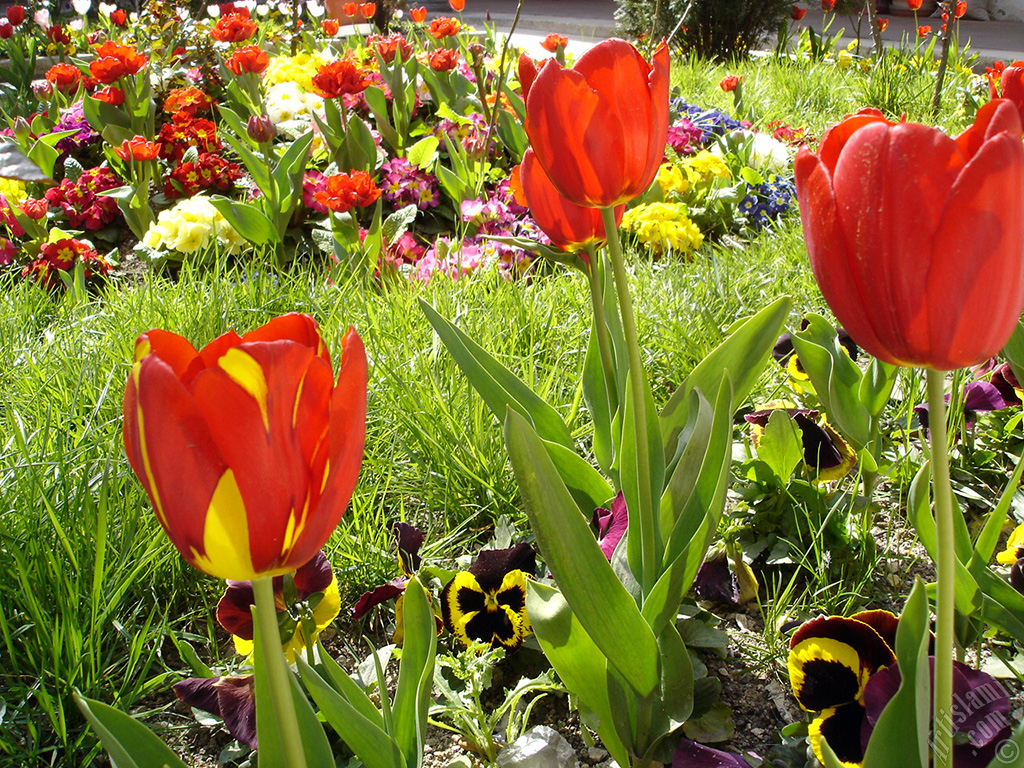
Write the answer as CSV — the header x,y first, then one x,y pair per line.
x,y
423,153
742,355
714,725
314,741
43,155
129,743
415,674
599,601
99,114
248,220
580,664
900,736
254,164
398,223
595,392
378,105
580,478
365,737
497,385
877,384
349,689
1011,752
781,446
988,539
1014,351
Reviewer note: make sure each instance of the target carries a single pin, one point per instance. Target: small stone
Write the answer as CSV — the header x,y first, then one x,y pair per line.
x,y
539,747
596,754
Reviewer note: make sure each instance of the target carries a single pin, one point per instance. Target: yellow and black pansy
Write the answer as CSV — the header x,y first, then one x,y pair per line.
x,y
831,660
827,456
487,603
785,355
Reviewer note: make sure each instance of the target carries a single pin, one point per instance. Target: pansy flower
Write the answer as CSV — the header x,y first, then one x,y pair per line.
x,y
315,605
826,455
977,397
831,660
785,355
610,524
233,699
487,603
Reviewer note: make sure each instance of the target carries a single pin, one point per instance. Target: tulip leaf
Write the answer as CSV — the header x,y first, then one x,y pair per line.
x,y
415,674
900,736
370,743
129,743
1014,351
603,606
1010,753
497,385
580,664
248,220
587,486
1002,605
876,386
595,392
349,689
988,539
742,355
378,105
272,751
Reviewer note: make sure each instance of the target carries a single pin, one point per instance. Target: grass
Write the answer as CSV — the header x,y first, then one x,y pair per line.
x,y
92,589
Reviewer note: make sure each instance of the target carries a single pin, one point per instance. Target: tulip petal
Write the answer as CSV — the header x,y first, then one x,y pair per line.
x,y
828,254
835,138
169,446
992,119
887,221
294,326
580,148
173,349
977,286
267,404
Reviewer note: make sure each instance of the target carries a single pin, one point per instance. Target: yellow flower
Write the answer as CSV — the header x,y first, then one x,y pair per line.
x,y
193,225
13,190
708,165
294,69
663,227
673,180
1009,555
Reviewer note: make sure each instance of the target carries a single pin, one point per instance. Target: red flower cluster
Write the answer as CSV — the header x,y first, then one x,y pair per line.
x,y
209,172
62,255
58,35
336,78
553,42
114,61
82,201
65,77
110,95
185,131
138,148
444,59
189,100
233,28
444,27
345,191
248,58
390,46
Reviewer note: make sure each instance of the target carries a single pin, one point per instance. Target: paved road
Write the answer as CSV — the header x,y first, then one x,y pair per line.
x,y
586,21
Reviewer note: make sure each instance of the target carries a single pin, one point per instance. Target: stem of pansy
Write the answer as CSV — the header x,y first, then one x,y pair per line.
x,y
645,514
942,721
277,673
595,275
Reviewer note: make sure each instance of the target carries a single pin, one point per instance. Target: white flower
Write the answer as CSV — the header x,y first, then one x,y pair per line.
x,y
213,10
106,9
77,24
315,9
81,6
42,18
262,9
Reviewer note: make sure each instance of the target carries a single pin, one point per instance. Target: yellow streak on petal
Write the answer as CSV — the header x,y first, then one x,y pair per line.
x,y
226,534
298,399
243,369
154,493
142,348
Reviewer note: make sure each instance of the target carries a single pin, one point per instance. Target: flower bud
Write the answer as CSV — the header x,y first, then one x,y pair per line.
x,y
42,90
261,129
22,130
477,52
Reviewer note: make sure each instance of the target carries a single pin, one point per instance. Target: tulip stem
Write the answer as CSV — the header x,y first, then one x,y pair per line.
x,y
637,383
604,342
942,725
273,660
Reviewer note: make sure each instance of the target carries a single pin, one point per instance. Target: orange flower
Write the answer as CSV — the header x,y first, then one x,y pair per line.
x,y
118,17
367,10
730,82
330,27
961,8
1010,84
913,284
599,129
65,77
340,77
114,61
249,450
233,28
457,5
444,60
418,15
914,5
138,148
924,30
389,47
345,191
111,95
248,58
444,27
570,227
553,42
350,9
190,100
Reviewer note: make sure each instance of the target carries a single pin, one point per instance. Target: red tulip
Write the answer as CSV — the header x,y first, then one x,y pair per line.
x,y
138,148
16,14
570,226
6,30
914,5
367,10
1011,84
418,15
730,83
599,129
883,24
797,13
924,30
248,449
917,239
457,5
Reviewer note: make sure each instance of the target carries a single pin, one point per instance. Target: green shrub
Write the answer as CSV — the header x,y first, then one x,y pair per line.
x,y
716,29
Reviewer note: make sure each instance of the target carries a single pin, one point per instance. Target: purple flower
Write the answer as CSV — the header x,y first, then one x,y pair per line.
x,y
405,184
611,524
977,396
685,137
73,119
